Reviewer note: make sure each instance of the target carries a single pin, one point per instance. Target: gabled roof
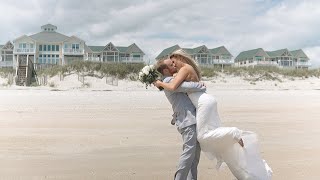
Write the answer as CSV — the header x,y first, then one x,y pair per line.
x,y
96,48
198,49
168,51
191,51
299,54
73,38
188,50
109,47
220,51
87,49
24,36
123,49
49,37
251,53
278,53
133,48
8,46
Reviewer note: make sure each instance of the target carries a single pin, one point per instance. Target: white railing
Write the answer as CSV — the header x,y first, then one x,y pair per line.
x,y
267,63
93,59
72,51
222,61
6,63
24,50
302,64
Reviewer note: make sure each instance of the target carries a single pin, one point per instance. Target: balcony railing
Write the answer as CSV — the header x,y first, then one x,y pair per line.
x,y
72,51
302,64
6,63
93,59
273,63
24,50
222,61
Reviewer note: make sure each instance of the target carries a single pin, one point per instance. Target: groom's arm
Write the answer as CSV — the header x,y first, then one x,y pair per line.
x,y
187,86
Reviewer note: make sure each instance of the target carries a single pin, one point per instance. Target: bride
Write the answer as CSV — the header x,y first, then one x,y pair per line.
x,y
237,148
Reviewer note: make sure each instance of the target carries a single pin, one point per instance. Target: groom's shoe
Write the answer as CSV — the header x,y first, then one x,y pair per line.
x,y
173,121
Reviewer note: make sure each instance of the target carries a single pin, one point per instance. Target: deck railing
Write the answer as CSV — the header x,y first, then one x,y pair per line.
x,y
6,63
72,51
24,50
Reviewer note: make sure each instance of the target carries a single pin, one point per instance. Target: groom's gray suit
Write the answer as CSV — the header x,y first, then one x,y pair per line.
x,y
185,120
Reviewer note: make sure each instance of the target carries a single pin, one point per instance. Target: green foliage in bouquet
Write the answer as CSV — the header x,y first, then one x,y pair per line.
x,y
148,75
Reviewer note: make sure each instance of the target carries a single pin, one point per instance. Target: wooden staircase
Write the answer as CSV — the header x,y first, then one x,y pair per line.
x,y
22,77
26,74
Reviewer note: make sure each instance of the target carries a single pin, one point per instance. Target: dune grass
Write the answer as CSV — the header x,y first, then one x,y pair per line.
x,y
130,71
98,69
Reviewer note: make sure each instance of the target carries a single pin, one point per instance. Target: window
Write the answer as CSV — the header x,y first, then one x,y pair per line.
x,y
49,59
49,47
31,46
53,48
44,47
57,47
44,59
40,47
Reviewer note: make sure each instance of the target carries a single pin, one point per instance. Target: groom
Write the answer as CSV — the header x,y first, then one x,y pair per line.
x,y
184,119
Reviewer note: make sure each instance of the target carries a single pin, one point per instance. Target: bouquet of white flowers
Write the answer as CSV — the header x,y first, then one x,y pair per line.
x,y
148,75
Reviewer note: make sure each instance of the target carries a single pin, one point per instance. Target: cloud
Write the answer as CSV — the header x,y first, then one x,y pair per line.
x,y
155,25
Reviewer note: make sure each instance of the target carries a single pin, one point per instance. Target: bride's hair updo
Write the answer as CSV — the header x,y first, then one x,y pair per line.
x,y
186,58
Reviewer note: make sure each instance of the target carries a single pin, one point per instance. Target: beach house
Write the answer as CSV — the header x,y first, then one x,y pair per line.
x,y
6,55
282,58
204,56
111,53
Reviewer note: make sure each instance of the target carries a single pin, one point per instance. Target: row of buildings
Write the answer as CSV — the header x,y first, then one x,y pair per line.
x,y
220,56
48,47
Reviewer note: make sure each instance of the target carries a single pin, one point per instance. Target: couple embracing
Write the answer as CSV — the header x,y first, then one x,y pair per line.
x,y
197,119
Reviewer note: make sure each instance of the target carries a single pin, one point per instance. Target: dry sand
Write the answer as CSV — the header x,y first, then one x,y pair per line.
x,y
123,132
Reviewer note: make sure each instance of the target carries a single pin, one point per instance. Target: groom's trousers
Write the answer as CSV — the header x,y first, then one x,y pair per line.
x,y
189,159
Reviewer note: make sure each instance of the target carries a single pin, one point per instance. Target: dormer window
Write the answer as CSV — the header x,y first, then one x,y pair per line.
x,y
49,28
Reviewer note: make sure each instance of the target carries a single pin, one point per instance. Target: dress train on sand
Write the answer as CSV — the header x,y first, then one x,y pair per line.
x,y
221,143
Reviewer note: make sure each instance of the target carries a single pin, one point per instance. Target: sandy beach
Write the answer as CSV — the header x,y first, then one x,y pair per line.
x,y
124,133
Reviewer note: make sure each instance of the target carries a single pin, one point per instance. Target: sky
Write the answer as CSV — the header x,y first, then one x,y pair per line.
x,y
154,25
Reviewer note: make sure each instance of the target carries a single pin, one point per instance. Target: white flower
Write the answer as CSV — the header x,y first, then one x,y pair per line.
x,y
151,67
140,75
145,71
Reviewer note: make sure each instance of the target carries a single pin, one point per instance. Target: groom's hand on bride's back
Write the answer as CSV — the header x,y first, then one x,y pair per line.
x,y
202,84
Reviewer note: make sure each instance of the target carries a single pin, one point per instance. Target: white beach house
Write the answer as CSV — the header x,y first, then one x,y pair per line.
x,y
6,55
282,58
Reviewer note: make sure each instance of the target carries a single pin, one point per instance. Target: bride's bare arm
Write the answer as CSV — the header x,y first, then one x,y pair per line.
x,y
175,83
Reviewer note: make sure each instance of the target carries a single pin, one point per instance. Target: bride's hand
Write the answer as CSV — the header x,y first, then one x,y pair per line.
x,y
157,83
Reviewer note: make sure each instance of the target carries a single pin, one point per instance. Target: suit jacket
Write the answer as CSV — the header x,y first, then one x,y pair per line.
x,y
184,111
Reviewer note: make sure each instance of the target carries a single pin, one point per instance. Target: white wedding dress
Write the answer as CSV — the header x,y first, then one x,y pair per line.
x,y
221,143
